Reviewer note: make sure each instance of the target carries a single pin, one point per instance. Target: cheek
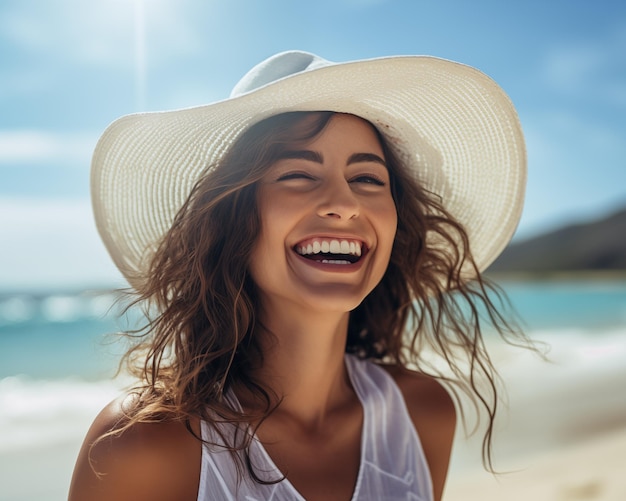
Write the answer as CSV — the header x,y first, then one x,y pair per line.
x,y
268,250
259,263
388,223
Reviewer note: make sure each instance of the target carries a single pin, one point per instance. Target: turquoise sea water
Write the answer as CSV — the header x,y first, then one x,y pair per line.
x,y
58,336
587,305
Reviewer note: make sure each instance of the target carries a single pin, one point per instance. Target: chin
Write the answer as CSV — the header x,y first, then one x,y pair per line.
x,y
333,300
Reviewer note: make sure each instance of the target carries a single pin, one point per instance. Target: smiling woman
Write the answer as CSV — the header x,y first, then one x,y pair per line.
x,y
302,252
330,195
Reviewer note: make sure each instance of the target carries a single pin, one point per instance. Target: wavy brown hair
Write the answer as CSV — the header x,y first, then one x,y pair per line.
x,y
202,335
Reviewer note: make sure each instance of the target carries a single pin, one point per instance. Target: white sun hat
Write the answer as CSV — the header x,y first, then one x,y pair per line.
x,y
452,125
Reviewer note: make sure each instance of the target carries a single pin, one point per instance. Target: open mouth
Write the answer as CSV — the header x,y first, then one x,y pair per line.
x,y
331,251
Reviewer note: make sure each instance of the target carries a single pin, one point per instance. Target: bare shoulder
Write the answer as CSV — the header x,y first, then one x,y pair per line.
x,y
424,395
433,414
156,461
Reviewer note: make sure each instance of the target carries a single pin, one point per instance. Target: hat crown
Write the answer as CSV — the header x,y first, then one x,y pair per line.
x,y
281,65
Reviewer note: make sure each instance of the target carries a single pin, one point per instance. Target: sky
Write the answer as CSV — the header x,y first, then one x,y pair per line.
x,y
70,67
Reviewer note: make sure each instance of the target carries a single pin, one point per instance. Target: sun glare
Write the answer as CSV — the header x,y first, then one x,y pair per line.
x,y
140,54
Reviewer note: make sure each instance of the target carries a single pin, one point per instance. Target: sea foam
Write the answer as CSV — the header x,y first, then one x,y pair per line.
x,y
36,413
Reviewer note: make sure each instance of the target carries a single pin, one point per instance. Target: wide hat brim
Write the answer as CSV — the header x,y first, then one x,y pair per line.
x,y
452,125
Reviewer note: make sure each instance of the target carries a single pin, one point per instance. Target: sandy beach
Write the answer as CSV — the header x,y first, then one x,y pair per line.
x,y
563,437
590,470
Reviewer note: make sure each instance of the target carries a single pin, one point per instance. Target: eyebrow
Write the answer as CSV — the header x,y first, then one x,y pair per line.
x,y
314,156
311,156
366,157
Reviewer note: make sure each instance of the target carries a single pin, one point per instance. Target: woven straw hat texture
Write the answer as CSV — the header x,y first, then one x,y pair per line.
x,y
453,126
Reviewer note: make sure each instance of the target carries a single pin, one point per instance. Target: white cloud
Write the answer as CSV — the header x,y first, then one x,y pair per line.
x,y
575,169
100,32
22,30
569,68
52,243
589,69
574,133
25,82
21,146
576,157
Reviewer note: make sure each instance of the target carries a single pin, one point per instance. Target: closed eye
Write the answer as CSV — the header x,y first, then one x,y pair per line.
x,y
368,179
294,175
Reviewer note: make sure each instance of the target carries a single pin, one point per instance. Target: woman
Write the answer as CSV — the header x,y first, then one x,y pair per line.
x,y
332,243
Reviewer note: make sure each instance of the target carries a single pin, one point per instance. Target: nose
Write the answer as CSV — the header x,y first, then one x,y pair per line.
x,y
338,201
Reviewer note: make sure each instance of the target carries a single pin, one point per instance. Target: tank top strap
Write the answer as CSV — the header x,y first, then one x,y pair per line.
x,y
393,464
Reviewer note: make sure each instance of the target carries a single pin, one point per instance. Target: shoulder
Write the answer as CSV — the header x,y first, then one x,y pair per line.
x,y
433,414
156,461
424,395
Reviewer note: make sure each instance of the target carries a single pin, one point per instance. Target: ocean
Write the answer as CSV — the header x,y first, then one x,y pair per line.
x,y
58,359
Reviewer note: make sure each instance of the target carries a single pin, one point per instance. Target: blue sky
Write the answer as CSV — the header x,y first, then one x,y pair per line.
x,y
70,67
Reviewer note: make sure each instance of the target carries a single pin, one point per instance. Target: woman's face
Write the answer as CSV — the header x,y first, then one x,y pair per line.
x,y
328,221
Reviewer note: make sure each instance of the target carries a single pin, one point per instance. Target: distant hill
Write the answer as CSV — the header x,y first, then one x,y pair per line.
x,y
594,246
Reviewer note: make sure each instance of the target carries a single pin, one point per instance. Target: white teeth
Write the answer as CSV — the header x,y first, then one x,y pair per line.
x,y
335,261
331,247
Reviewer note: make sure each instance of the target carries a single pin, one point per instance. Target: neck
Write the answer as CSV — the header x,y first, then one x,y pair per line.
x,y
304,362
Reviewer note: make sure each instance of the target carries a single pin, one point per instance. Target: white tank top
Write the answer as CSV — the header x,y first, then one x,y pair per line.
x,y
392,467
